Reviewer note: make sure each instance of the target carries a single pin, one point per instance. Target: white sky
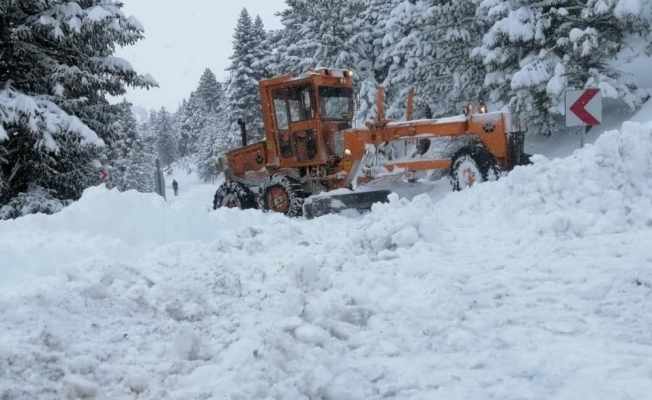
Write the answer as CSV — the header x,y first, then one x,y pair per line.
x,y
182,39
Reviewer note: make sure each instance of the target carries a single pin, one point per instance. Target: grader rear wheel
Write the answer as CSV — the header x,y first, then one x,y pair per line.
x,y
233,194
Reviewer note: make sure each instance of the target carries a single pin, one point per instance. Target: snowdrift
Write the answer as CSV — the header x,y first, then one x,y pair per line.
x,y
105,225
604,188
535,286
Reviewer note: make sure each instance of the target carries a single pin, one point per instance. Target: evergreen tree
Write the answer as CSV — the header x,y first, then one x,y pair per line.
x,y
192,120
204,103
261,51
212,138
184,135
56,61
181,156
319,33
286,58
211,147
147,134
367,45
209,92
597,33
242,87
429,52
133,168
166,143
535,51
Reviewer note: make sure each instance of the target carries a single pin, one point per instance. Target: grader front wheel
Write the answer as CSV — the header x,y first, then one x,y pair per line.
x,y
471,165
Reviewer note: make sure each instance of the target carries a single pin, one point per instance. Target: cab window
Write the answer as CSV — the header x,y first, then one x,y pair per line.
x,y
279,98
336,103
301,104
281,114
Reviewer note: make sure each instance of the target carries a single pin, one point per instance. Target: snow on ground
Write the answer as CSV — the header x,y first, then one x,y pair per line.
x,y
192,190
536,286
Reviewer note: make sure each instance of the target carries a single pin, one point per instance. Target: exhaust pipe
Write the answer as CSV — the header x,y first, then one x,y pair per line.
x,y
243,131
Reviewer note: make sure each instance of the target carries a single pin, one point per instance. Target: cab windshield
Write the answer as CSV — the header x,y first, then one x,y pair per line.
x,y
336,103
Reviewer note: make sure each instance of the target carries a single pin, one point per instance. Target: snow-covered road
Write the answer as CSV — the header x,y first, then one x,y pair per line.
x,y
536,286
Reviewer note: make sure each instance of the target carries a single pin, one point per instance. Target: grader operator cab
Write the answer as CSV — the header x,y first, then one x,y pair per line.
x,y
312,157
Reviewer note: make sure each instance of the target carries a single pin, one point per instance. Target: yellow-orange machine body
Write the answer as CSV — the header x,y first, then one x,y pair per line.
x,y
311,148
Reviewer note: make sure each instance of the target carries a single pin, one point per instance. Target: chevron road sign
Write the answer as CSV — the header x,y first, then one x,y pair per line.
x,y
583,107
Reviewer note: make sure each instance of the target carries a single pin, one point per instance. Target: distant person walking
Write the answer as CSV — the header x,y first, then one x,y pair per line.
x,y
175,186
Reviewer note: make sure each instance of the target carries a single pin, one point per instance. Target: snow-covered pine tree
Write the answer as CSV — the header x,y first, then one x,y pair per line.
x,y
184,137
428,49
192,120
535,51
133,168
205,104
56,60
166,143
183,155
319,33
591,38
262,49
213,137
140,170
286,58
241,85
147,133
139,164
212,145
209,92
122,141
518,52
366,43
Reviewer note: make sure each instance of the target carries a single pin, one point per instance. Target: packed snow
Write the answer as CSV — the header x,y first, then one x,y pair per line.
x,y
535,286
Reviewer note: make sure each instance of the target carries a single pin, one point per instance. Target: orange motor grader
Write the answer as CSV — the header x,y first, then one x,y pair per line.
x,y
312,156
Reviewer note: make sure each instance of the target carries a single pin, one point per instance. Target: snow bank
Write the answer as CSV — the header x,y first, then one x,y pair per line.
x,y
603,188
645,113
534,286
103,225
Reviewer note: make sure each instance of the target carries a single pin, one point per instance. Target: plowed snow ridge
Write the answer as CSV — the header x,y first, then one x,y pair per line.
x,y
536,286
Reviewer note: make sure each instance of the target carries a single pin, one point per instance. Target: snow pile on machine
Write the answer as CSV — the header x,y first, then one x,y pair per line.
x,y
478,295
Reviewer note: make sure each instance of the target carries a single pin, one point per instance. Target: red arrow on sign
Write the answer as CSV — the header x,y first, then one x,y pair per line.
x,y
103,175
578,107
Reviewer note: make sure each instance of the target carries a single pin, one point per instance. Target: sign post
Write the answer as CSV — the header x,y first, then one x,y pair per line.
x,y
583,108
103,175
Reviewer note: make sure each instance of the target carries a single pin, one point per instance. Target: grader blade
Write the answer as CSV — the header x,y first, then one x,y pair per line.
x,y
317,206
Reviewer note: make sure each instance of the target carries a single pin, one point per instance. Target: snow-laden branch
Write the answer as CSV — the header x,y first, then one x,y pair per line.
x,y
42,118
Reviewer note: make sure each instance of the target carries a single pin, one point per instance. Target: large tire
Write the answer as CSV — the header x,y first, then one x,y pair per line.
x,y
472,164
283,194
234,194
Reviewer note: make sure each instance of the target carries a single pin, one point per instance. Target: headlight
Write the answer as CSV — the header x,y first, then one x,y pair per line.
x,y
347,152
